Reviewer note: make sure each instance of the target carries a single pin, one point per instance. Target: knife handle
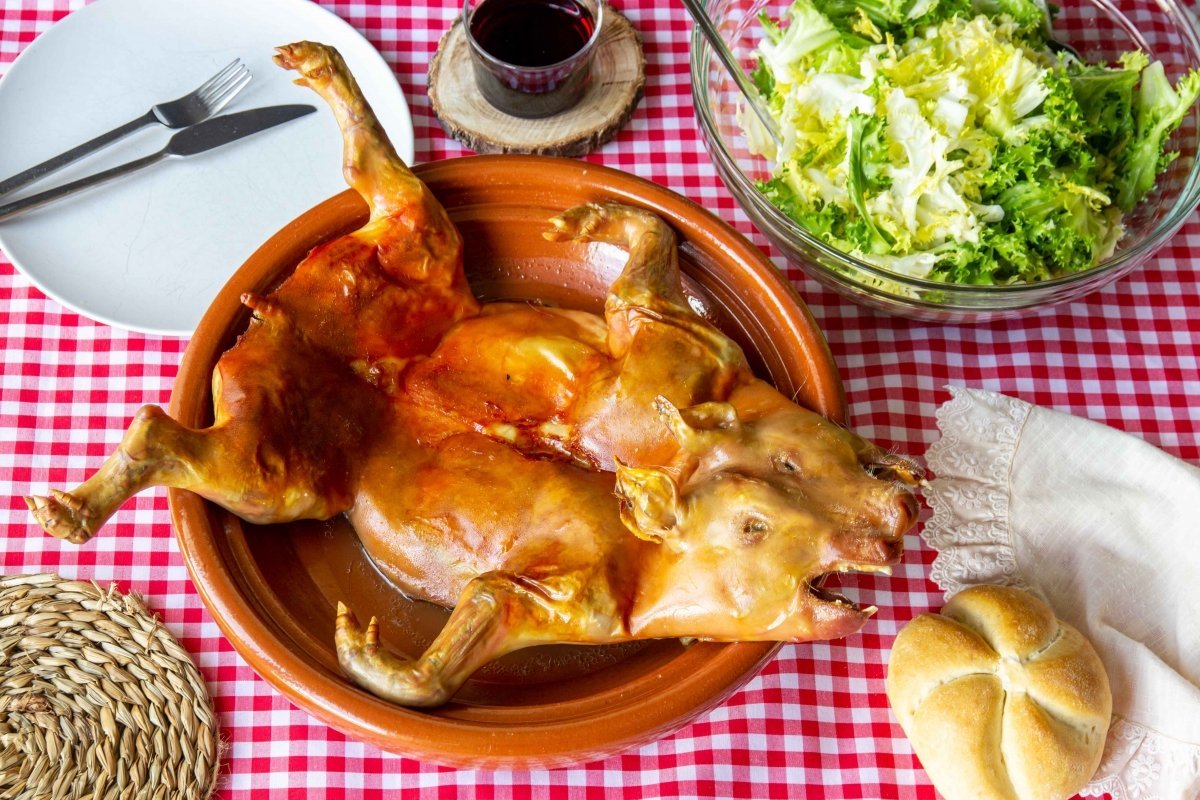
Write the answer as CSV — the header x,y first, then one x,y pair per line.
x,y
33,201
74,154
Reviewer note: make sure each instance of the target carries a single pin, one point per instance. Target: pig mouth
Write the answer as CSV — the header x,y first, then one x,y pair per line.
x,y
824,586
817,589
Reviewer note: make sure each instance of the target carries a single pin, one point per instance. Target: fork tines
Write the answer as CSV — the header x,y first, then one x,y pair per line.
x,y
218,90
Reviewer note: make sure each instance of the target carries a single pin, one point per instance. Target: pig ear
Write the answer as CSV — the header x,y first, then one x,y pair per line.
x,y
649,501
697,427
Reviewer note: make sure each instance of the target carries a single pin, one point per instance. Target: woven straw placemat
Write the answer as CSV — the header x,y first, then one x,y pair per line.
x,y
97,699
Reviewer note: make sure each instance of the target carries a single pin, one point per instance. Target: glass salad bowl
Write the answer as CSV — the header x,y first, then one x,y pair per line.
x,y
1098,29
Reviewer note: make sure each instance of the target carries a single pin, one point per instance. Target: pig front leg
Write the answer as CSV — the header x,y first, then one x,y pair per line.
x,y
651,276
649,287
660,346
492,618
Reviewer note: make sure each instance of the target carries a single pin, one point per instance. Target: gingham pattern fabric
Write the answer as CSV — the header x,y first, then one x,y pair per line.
x,y
815,723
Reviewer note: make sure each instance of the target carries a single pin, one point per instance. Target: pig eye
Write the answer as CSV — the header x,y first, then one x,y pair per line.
x,y
753,531
783,463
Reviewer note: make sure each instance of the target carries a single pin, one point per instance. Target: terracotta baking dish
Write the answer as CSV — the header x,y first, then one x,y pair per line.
x,y
273,590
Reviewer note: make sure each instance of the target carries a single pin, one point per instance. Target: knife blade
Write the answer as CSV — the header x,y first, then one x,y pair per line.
x,y
200,138
222,130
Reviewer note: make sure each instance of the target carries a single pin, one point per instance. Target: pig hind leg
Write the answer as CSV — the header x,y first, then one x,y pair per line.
x,y
156,450
225,464
277,451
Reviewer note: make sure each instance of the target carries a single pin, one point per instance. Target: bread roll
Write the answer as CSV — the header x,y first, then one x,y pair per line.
x,y
1000,698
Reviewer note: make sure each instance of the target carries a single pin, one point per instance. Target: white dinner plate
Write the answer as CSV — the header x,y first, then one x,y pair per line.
x,y
149,251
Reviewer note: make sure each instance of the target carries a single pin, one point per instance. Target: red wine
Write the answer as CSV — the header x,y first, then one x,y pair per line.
x,y
532,33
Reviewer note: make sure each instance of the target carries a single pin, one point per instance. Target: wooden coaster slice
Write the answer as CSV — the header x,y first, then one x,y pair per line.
x,y
618,78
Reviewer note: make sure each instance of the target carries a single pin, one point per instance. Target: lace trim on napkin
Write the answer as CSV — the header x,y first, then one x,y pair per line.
x,y
1141,764
969,526
969,530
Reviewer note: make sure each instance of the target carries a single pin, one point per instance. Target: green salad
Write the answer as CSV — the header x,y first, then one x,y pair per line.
x,y
944,139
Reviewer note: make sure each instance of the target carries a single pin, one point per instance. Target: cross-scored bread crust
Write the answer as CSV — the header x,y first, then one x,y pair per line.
x,y
1000,699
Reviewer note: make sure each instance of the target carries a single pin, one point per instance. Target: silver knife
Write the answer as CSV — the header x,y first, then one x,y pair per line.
x,y
200,138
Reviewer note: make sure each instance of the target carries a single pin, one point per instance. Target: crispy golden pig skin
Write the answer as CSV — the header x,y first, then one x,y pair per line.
x,y
553,475
289,416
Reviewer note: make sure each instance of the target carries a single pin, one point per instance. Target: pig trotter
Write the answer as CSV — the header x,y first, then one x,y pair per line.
x,y
62,515
477,632
147,456
376,669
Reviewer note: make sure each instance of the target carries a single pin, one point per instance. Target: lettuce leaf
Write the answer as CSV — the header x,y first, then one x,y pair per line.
x,y
943,139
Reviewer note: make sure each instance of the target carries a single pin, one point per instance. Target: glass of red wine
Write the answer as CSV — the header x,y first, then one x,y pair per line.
x,y
532,58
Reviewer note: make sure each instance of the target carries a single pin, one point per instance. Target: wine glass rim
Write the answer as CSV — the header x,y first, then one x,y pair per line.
x,y
595,7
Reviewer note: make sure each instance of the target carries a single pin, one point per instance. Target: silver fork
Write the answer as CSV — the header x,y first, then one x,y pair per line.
x,y
196,106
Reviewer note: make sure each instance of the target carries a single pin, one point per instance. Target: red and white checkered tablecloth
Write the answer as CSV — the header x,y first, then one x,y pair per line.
x,y
815,723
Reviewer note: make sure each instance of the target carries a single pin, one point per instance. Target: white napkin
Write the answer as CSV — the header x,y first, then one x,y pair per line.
x,y
1107,529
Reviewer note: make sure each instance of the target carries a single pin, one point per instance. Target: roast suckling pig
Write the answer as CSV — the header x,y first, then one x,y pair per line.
x,y
553,475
